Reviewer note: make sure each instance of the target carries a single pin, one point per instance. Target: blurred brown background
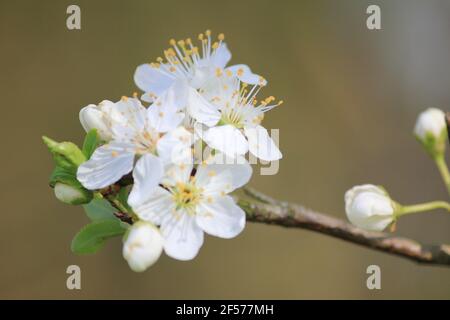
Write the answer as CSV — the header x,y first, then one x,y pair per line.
x,y
351,98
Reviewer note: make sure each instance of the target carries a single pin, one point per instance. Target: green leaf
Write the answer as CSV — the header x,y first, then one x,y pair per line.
x,y
99,209
91,141
93,236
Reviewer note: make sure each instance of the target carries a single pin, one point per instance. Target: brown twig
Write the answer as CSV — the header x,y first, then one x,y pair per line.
x,y
263,209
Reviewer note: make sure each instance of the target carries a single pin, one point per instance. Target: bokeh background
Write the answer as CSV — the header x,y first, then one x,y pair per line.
x,y
351,98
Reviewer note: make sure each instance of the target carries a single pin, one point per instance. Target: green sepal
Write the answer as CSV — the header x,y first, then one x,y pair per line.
x,y
64,175
435,146
91,142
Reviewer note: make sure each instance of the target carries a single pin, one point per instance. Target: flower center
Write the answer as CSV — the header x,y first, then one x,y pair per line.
x,y
186,196
232,117
146,142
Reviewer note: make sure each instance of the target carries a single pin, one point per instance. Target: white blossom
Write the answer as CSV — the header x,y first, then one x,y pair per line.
x,y
190,66
190,202
237,127
139,134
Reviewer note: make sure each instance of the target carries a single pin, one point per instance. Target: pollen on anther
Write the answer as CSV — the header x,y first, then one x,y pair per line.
x,y
211,173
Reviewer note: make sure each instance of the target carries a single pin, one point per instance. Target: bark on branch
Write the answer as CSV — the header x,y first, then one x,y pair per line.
x,y
263,209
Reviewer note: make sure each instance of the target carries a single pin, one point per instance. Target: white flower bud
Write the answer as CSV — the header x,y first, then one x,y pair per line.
x,y
431,131
71,195
97,117
369,207
430,122
143,246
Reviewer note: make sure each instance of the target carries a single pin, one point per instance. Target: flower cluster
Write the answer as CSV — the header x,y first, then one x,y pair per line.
x,y
370,207
139,153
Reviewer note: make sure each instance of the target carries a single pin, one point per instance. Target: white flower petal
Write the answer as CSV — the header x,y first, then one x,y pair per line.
x,y
157,205
175,146
107,165
176,173
164,118
221,218
201,110
128,119
166,112
154,81
183,238
226,139
261,144
222,170
246,75
147,174
221,56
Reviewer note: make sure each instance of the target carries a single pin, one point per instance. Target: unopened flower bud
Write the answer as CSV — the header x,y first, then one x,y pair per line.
x,y
142,246
66,154
71,194
369,207
431,131
96,117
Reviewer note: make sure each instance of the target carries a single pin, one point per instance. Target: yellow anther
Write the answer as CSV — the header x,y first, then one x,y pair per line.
x,y
211,173
240,72
229,73
135,94
172,42
200,36
159,59
181,43
114,154
208,33
215,45
188,41
172,69
221,36
124,98
161,114
219,72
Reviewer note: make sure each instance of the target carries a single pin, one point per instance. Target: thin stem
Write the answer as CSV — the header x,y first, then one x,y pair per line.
x,y
423,207
443,170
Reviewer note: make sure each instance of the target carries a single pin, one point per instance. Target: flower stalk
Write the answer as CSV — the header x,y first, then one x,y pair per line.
x,y
422,207
443,170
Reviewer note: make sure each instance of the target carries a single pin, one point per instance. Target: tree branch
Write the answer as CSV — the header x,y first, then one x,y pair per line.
x,y
263,209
